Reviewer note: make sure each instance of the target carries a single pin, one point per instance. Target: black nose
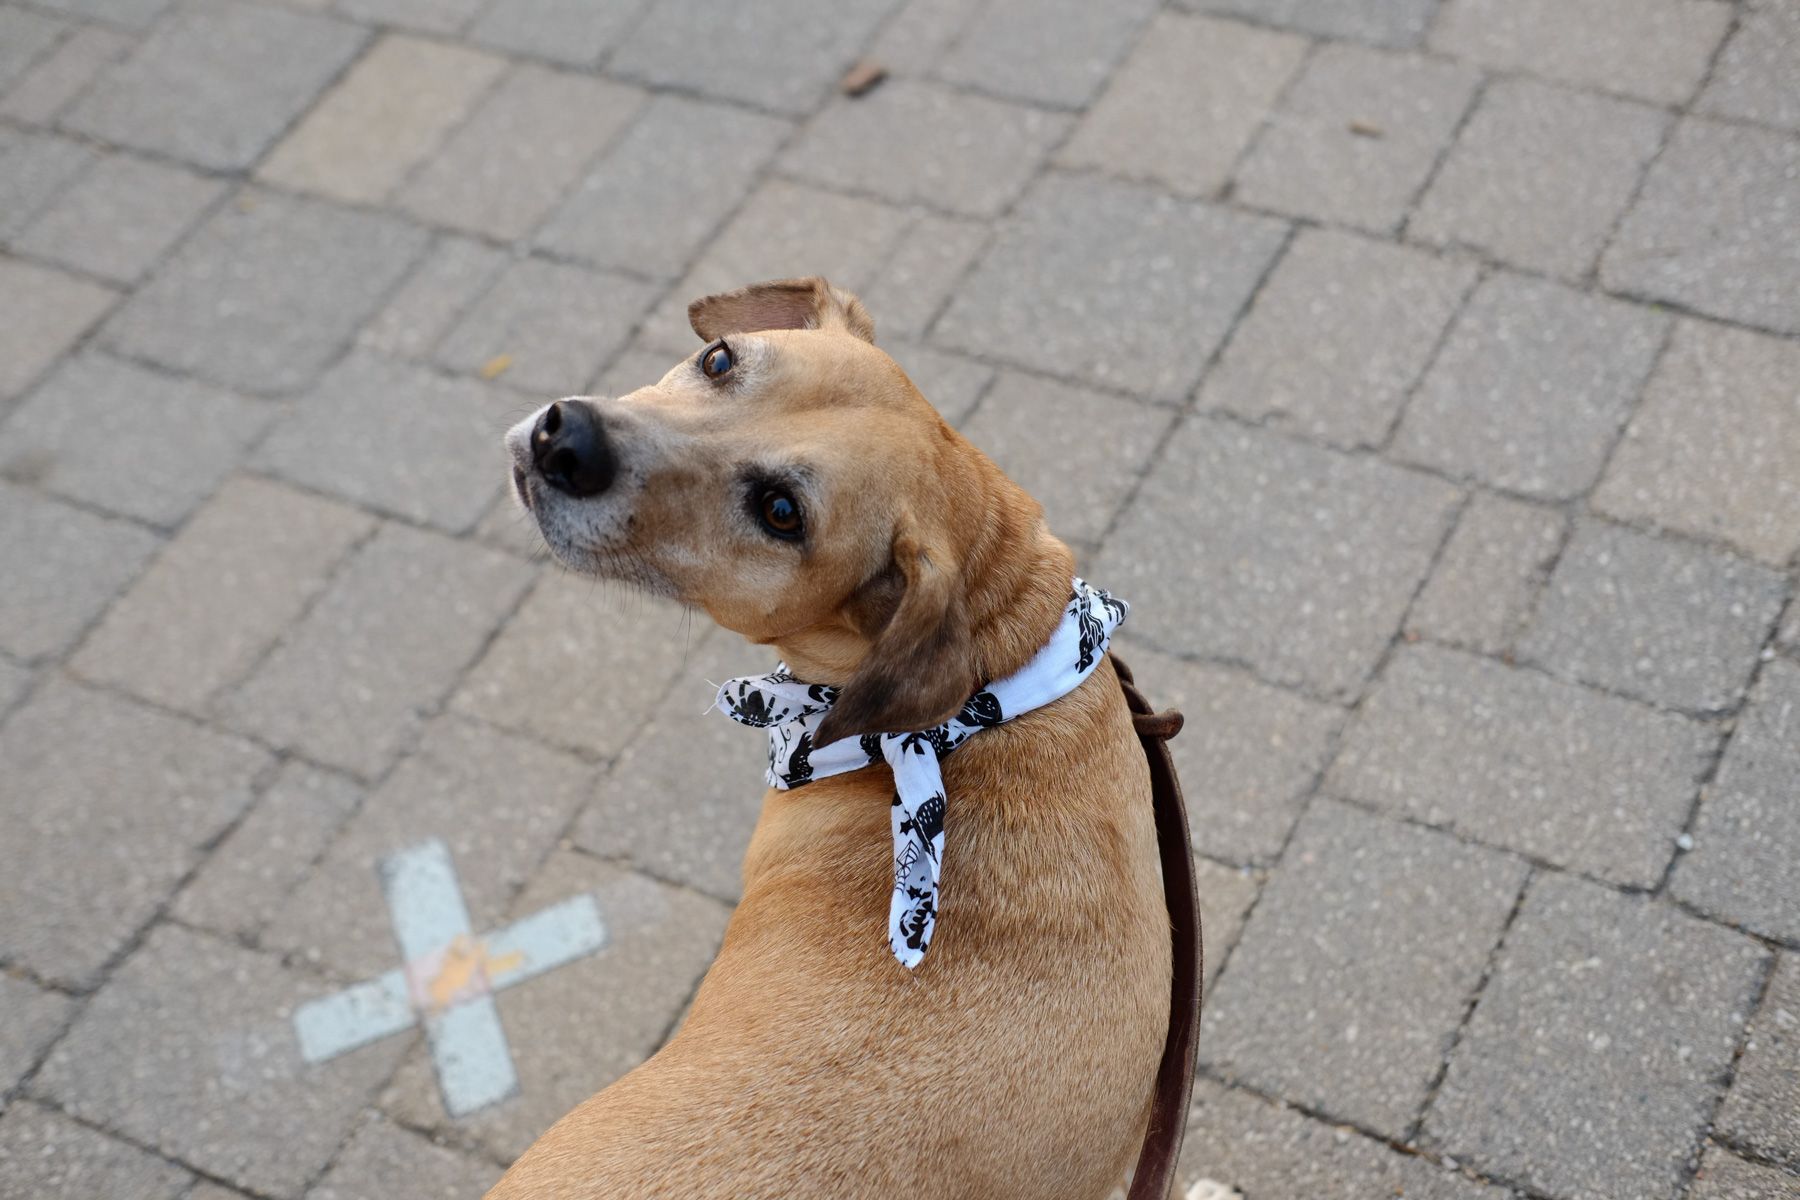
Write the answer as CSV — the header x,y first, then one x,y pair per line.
x,y
570,450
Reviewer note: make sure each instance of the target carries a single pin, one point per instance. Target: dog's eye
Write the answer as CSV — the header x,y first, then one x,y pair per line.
x,y
779,514
716,361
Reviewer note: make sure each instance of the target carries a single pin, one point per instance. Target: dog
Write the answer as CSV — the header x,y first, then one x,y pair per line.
x,y
790,480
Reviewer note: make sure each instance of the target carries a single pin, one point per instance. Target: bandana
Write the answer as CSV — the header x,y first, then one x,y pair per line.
x,y
791,711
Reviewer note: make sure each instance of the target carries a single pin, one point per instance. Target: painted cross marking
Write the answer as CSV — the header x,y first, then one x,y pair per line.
x,y
448,978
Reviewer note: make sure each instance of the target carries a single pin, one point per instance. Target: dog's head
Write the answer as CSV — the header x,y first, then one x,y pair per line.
x,y
790,480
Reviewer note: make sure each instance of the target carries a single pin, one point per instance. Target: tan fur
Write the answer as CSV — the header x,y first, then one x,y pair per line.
x,y
1018,1059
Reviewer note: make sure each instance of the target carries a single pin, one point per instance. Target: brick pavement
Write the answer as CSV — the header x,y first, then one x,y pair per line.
x,y
1450,342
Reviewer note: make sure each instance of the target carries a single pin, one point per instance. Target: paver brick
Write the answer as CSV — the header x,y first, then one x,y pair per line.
x,y
916,281
1187,74
913,40
264,550
387,115
151,788
1056,52
1489,576
1715,447
41,93
120,217
14,680
133,14
1667,622
654,197
385,1160
1390,926
1532,386
25,38
430,16
530,139
915,142
1725,1176
1753,79
1087,277
34,1016
46,1156
1226,894
443,286
398,438
1379,22
498,801
1302,568
1762,1110
35,168
1588,1067
954,385
63,566
556,325
43,313
1539,175
576,32
216,1078
1584,780
217,82
1657,51
390,635
1337,337
1357,136
1745,864
1709,229
582,1026
267,293
128,439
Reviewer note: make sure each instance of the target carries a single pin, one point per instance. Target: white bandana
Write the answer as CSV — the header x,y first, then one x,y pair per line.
x,y
791,711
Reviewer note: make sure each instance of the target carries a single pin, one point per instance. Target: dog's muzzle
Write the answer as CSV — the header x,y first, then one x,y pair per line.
x,y
570,451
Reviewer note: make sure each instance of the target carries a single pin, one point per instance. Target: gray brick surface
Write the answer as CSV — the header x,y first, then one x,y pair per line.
x,y
397,438
918,277
1532,387
1587,1069
46,1156
499,802
1538,176
264,550
46,89
1657,51
1707,232
430,16
954,385
1088,276
128,439
1490,574
63,567
120,217
1226,894
915,142
1715,448
267,293
347,684
1745,865
1302,567
34,1017
154,787
14,679
1338,336
25,38
653,199
133,14
444,285
43,313
1391,927
531,138
35,168
1186,74
1725,1176
1047,51
247,1109
217,81
1762,1110
576,32
1754,77
584,1025
385,1160
1584,780
913,40
1380,22
1357,136
1668,622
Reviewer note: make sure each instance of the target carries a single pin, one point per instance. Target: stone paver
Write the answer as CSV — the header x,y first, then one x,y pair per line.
x,y
63,567
1588,1067
917,279
1762,1110
1754,77
1531,387
1491,572
1303,566
429,16
1516,759
1187,73
385,1160
1338,336
34,1017
1745,865
43,313
1715,448
217,1079
454,273
34,170
46,1156
14,679
952,384
1667,622
574,32
1538,176
41,93
1725,1176
1055,52
1380,22
1390,926
1088,276
120,217
1226,894
25,37
133,14
1705,233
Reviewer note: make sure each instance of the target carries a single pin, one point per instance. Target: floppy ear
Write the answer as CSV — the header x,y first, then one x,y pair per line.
x,y
920,670
809,303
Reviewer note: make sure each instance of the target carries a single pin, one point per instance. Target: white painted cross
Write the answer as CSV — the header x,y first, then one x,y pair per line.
x,y
448,978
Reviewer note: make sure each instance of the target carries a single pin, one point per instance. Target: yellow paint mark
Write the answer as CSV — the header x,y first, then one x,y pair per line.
x,y
496,366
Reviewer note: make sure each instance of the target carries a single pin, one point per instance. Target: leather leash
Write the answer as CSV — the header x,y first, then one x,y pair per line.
x,y
1154,1177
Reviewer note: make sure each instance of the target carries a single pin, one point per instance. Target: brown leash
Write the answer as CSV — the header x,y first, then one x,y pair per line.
x,y
1155,1175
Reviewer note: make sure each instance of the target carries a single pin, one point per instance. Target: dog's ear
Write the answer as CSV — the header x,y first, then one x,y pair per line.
x,y
920,669
809,303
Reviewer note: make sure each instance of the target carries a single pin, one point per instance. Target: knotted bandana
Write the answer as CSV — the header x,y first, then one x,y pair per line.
x,y
791,711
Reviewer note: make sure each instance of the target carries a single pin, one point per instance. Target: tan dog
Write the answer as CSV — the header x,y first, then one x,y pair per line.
x,y
791,481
